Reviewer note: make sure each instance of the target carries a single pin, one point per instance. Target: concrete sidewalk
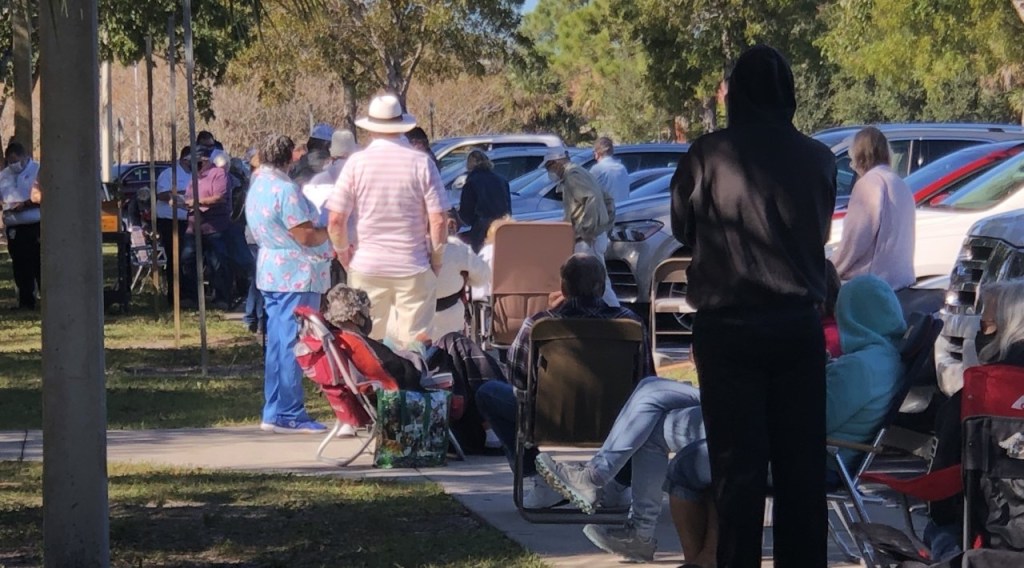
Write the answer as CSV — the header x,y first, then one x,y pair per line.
x,y
482,484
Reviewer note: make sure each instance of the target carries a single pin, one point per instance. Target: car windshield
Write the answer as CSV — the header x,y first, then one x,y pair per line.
x,y
655,187
988,190
932,172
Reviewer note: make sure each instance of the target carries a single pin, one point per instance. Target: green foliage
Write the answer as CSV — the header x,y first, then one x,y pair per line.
x,y
938,60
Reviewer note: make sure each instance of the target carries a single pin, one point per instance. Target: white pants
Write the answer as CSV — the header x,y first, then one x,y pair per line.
x,y
600,245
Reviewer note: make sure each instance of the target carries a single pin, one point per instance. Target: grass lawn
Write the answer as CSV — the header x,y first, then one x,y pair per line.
x,y
175,517
150,383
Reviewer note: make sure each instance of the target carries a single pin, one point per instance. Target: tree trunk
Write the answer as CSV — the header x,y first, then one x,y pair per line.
x,y
76,519
351,104
23,80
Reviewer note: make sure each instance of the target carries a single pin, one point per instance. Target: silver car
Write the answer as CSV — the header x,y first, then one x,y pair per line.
x,y
453,150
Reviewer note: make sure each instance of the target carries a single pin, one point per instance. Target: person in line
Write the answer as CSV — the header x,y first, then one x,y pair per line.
x,y
168,197
609,171
417,138
664,416
292,271
214,204
582,287
1000,341
485,197
206,140
343,145
316,156
400,228
754,202
878,231
254,317
588,207
19,197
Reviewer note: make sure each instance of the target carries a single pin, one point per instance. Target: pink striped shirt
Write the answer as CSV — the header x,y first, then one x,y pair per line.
x,y
390,188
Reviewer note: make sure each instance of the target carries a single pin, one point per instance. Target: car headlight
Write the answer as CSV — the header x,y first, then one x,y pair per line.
x,y
635,231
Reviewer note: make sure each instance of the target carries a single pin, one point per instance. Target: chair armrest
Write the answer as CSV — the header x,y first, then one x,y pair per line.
x,y
852,446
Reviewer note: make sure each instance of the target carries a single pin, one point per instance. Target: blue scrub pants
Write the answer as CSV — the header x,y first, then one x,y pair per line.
x,y
282,385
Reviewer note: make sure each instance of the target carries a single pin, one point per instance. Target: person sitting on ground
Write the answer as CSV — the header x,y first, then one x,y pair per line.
x,y
583,277
1000,341
878,232
663,417
485,197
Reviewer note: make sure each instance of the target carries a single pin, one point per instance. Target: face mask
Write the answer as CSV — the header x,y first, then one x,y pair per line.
x,y
17,167
983,340
553,176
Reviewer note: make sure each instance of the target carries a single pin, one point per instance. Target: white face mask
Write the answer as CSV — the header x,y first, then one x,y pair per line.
x,y
553,176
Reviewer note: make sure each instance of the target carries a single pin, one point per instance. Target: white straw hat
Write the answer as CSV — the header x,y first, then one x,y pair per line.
x,y
385,115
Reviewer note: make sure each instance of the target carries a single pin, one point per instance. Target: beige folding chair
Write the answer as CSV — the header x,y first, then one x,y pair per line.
x,y
582,371
527,258
669,271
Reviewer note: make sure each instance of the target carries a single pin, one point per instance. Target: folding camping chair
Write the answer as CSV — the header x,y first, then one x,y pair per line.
x,y
990,477
848,500
582,371
141,258
669,271
341,381
527,259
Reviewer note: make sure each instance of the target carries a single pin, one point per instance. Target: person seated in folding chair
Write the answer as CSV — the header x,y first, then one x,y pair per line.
x,y
664,416
583,284
1000,340
348,311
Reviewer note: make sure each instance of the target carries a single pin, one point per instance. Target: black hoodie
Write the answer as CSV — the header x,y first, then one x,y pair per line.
x,y
754,201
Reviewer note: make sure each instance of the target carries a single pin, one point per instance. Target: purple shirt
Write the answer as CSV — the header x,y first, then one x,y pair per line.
x,y
217,217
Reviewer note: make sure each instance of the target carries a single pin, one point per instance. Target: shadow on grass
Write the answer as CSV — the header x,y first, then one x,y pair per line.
x,y
197,518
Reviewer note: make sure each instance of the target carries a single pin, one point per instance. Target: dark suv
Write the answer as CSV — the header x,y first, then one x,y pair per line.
x,y
913,145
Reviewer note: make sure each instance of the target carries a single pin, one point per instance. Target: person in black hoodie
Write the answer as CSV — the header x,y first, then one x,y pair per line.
x,y
754,203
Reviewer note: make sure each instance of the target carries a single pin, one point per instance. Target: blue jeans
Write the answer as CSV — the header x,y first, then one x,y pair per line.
x,y
497,403
216,255
661,416
282,385
254,312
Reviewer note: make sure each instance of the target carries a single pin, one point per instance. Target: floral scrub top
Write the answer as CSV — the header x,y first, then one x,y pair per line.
x,y
273,206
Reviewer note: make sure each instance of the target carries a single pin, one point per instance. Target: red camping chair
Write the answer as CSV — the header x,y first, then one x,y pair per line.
x,y
992,410
348,372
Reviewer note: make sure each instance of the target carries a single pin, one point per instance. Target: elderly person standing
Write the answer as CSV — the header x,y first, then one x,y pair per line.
x,y
485,197
609,171
588,206
400,227
19,200
878,232
292,271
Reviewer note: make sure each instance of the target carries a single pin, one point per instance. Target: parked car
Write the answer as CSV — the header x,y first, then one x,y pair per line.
x,y
640,181
453,150
992,251
635,157
913,145
937,180
941,227
510,163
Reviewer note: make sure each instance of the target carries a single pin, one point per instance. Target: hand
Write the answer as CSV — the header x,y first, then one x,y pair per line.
x,y
555,299
345,256
17,206
436,268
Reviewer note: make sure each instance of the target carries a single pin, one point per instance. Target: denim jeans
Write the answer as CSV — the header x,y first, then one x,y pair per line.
x,y
216,254
282,385
496,401
254,312
661,416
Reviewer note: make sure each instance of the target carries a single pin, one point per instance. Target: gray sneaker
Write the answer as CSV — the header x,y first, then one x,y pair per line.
x,y
573,481
622,541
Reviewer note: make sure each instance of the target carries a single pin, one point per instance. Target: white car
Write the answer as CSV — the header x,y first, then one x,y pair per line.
x,y
941,227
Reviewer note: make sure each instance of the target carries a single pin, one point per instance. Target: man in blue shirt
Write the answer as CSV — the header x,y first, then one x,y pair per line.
x,y
609,171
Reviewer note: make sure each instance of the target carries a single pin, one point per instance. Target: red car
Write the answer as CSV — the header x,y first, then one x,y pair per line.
x,y
932,183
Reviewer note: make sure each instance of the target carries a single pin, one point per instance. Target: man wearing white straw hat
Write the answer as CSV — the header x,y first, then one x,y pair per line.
x,y
396,195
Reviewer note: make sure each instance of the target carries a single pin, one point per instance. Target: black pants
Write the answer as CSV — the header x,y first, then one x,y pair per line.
x,y
165,228
762,383
23,245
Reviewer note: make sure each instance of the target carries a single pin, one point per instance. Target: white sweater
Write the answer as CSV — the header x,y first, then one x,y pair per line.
x,y
878,232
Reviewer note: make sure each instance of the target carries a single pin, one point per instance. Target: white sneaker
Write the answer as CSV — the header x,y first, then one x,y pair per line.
x,y
346,431
491,440
267,426
540,495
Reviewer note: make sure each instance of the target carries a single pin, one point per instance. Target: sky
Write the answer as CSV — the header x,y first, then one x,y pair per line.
x,y
529,5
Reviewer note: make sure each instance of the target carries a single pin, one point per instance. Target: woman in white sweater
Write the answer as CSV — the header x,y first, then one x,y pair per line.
x,y
878,232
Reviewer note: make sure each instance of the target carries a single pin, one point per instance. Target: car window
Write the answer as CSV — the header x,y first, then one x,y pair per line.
x,y
458,155
630,161
656,187
900,156
518,145
937,168
988,190
932,150
845,176
515,166
659,160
